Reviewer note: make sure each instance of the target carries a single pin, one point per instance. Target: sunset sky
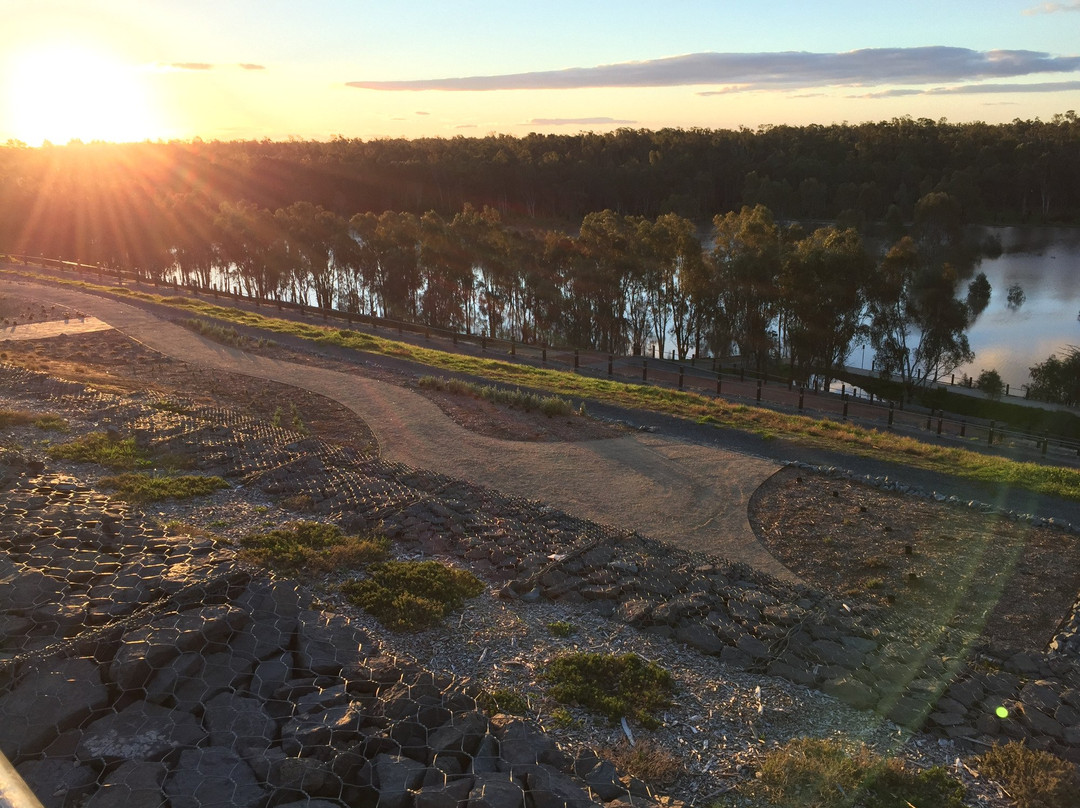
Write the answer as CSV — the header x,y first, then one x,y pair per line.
x,y
249,69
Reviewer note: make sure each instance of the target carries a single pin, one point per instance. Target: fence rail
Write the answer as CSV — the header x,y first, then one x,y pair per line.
x,y
708,376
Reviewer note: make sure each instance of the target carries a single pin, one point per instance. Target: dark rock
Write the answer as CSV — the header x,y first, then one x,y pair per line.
x,y
310,776
736,658
1041,695
942,719
335,727
150,648
133,784
834,653
213,776
239,722
603,780
1040,723
57,783
450,794
45,703
698,636
141,731
327,642
164,684
851,691
549,788
522,741
967,692
634,612
495,791
459,737
988,724
271,675
799,675
753,647
395,777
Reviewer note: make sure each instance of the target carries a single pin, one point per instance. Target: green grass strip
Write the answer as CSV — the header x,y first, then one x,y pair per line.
x,y
824,434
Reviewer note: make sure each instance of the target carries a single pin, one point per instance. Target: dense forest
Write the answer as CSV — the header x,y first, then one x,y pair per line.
x,y
590,240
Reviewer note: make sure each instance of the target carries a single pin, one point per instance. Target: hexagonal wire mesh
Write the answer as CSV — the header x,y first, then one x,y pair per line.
x,y
142,664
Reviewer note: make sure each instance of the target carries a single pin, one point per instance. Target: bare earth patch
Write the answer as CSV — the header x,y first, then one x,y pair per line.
x,y
1006,582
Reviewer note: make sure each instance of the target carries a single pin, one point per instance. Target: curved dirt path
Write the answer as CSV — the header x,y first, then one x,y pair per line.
x,y
692,496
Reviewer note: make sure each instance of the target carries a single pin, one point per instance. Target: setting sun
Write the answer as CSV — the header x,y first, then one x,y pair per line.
x,y
60,92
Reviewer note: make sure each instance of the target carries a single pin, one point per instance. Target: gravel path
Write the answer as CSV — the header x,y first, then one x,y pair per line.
x,y
691,495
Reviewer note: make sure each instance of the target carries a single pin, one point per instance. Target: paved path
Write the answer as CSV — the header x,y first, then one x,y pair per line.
x,y
690,495
53,328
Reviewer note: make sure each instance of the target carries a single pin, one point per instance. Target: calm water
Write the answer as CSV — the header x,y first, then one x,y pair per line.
x,y
1045,261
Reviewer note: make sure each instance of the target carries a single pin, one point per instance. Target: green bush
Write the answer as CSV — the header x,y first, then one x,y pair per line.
x,y
51,423
550,406
818,773
142,487
412,595
560,628
113,452
503,700
1034,779
614,686
312,545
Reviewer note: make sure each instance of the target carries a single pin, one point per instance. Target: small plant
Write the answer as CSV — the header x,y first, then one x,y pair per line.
x,y
412,595
504,700
1035,779
142,487
313,545
614,686
646,760
560,718
560,628
104,448
295,421
819,773
51,422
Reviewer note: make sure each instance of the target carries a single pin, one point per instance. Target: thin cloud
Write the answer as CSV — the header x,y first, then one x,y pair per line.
x,y
421,112
786,70
1053,8
191,66
577,122
979,89
735,88
249,66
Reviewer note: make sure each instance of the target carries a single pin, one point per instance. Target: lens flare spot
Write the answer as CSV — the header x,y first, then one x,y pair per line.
x,y
1002,712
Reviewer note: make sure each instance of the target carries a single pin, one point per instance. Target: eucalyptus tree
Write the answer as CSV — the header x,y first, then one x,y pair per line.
x,y
824,292
746,279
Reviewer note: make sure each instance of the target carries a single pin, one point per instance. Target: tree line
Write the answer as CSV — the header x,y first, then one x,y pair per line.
x,y
852,173
620,283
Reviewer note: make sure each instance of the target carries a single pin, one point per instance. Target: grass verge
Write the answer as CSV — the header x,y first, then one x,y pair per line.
x,y
844,437
111,451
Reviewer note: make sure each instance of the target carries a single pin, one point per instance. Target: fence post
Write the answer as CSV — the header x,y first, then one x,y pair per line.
x,y
929,420
759,389
454,337
940,420
1045,443
742,374
680,377
963,429
845,408
543,354
644,370
513,348
892,412
800,398
1006,389
483,343
610,360
717,384
577,359
990,434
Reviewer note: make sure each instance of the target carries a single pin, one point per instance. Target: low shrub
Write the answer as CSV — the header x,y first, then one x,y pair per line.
x,y
1033,778
226,335
51,422
142,487
412,595
314,546
560,628
111,451
614,686
819,773
10,418
504,700
551,406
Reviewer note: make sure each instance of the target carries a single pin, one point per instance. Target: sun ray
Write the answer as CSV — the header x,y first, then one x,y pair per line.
x,y
64,91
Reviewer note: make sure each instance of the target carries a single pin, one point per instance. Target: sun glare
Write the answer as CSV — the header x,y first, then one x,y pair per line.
x,y
65,92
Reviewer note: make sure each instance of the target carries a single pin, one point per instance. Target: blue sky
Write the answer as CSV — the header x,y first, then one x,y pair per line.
x,y
265,68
